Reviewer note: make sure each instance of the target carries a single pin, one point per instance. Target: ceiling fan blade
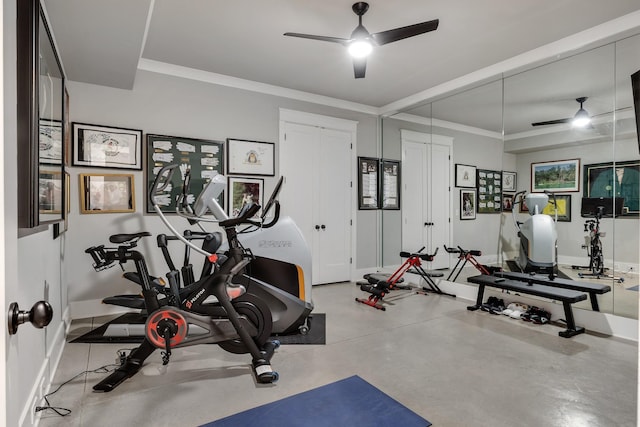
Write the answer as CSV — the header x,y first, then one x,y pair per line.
x,y
321,38
552,122
359,67
396,34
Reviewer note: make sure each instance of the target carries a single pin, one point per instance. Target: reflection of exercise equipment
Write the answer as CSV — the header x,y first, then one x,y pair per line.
x,y
465,256
379,285
538,235
597,208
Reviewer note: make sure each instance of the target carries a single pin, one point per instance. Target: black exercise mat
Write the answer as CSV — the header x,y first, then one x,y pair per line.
x,y
97,335
513,266
316,334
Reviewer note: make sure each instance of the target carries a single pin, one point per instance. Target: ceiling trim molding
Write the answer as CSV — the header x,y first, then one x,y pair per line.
x,y
237,83
581,40
446,124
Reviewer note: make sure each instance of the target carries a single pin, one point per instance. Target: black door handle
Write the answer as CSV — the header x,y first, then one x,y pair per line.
x,y
322,226
317,227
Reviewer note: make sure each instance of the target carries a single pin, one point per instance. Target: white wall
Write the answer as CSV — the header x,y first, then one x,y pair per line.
x,y
162,104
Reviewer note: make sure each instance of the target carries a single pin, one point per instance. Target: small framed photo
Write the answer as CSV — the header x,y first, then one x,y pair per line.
x,y
51,143
109,193
562,175
50,194
465,176
106,147
467,204
563,205
250,157
243,191
509,181
507,202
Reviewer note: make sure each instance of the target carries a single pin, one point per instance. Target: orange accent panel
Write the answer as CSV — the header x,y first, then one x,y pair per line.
x,y
300,283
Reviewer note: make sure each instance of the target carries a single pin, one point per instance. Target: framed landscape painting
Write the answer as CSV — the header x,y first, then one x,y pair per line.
x,y
561,175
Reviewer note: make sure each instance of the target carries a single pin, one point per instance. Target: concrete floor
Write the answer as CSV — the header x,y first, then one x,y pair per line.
x,y
451,366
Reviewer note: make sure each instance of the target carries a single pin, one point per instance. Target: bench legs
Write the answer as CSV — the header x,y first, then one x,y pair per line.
x,y
478,299
572,329
594,301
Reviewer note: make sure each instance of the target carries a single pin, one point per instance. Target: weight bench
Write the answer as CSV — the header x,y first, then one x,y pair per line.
x,y
413,264
593,289
567,296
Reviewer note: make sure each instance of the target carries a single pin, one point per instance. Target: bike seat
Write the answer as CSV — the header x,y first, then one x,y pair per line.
x,y
122,238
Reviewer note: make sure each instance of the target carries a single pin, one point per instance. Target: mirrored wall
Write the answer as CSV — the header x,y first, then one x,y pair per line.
x,y
520,123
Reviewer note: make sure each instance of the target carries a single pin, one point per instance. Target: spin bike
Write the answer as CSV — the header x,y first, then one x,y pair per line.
x,y
237,325
594,249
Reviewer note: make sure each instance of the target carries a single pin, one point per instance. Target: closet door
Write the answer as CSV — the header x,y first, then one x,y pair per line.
x,y
426,202
316,164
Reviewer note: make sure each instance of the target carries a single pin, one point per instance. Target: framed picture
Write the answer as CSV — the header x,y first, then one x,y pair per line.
x,y
489,183
51,143
368,185
561,175
106,147
523,206
509,181
619,180
563,202
390,184
203,158
250,157
109,193
465,176
507,202
467,204
243,191
50,192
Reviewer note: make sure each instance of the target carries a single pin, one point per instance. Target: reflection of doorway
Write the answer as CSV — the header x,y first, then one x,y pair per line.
x,y
426,200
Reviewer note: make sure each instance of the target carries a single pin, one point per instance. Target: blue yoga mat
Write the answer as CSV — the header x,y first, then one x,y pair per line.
x,y
350,402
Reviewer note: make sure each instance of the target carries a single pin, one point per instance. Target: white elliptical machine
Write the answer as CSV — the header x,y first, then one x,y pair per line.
x,y
538,234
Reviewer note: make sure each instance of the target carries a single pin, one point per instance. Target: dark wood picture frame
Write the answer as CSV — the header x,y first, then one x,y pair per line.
x,y
368,183
35,45
390,184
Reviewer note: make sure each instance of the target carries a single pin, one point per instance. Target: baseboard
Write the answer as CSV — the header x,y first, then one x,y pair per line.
x,y
604,323
46,373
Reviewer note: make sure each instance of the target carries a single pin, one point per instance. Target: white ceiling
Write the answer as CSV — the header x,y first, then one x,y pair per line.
x,y
101,42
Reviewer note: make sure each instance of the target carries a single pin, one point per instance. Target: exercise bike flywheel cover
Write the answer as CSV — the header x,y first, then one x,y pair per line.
x,y
166,316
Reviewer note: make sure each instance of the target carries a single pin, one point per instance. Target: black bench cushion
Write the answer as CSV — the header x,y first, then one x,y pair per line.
x,y
558,282
550,292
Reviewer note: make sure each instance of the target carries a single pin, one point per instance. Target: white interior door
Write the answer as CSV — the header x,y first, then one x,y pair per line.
x,y
333,206
413,197
316,163
426,201
440,189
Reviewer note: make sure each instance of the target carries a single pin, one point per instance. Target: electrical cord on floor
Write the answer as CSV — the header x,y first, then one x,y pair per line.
x,y
63,412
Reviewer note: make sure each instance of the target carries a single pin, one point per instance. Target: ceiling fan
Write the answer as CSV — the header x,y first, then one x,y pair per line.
x,y
580,119
361,41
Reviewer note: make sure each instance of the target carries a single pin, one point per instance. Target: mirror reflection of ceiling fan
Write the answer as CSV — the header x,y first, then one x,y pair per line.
x,y
580,119
361,42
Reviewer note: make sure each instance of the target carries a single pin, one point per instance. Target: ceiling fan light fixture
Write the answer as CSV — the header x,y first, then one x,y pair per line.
x,y
360,48
581,119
